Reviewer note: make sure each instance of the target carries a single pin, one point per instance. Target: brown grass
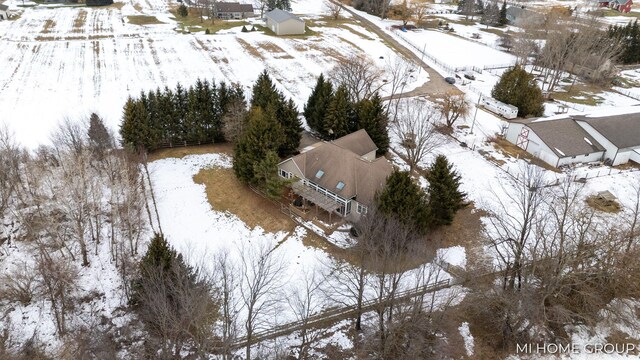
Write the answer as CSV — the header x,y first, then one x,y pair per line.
x,y
250,49
138,7
509,149
48,26
180,152
79,21
600,204
143,20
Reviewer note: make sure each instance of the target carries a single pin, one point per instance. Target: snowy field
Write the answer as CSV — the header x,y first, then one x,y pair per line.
x,y
68,62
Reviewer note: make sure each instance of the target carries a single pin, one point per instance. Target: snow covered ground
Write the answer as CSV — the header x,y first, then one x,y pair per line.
x,y
68,62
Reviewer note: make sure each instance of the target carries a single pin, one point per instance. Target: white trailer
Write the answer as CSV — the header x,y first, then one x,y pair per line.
x,y
505,110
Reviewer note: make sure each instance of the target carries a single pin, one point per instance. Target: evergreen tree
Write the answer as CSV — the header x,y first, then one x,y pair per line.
x,y
134,129
183,11
159,255
374,120
503,14
403,198
266,175
99,137
339,115
518,88
262,135
264,92
445,198
316,108
292,127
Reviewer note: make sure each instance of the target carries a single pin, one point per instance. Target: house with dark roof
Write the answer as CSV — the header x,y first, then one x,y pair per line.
x,y
623,6
4,12
284,23
341,177
579,139
233,10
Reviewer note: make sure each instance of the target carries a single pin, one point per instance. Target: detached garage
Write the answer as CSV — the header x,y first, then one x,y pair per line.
x,y
284,23
4,12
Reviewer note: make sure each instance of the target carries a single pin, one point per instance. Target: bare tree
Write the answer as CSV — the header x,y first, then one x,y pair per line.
x,y
359,75
58,277
20,284
262,269
235,120
304,302
452,106
9,175
227,281
415,131
397,74
335,8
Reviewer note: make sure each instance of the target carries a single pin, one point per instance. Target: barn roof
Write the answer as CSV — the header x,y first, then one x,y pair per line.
x,y
564,137
4,7
225,7
622,130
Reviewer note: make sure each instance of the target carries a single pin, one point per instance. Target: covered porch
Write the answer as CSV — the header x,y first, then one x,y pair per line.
x,y
319,203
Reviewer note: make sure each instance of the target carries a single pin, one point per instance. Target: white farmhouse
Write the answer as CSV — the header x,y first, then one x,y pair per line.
x,y
579,139
284,23
4,12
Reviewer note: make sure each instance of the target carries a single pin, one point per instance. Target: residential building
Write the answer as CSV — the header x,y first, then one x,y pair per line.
x,y
614,139
284,23
233,10
519,15
4,12
341,177
623,6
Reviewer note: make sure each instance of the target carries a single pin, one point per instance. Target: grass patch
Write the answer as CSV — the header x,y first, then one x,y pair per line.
x,y
611,12
508,149
580,94
601,204
79,21
48,25
180,152
143,20
250,49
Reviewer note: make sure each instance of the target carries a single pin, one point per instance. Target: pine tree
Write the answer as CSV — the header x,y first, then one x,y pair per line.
x,y
263,134
134,129
264,92
287,115
99,137
266,175
183,11
503,14
374,120
339,114
445,197
403,198
316,108
518,88
159,254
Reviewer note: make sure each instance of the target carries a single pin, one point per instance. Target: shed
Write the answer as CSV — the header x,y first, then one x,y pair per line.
x,y
284,23
4,12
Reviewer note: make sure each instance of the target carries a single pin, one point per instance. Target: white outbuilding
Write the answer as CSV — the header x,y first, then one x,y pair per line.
x,y
284,23
4,12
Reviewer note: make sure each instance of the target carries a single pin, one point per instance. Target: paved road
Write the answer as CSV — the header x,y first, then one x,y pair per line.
x,y
436,84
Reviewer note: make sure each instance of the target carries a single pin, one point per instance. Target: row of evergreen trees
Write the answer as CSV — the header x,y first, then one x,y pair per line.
x,y
331,114
273,130
193,116
629,38
490,13
279,4
405,199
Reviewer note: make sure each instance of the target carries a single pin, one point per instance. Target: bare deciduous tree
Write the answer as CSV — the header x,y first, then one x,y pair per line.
x,y
262,268
415,131
452,107
359,75
335,8
226,279
304,302
235,120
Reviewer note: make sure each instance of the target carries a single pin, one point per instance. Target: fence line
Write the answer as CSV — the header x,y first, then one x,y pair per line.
x,y
628,93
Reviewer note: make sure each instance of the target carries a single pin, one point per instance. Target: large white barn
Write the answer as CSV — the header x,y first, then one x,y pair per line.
x,y
614,139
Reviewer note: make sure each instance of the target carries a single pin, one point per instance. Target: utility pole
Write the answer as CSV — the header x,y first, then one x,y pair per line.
x,y
475,114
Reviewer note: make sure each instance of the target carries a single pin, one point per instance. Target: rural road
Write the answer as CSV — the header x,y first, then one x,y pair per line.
x,y
436,84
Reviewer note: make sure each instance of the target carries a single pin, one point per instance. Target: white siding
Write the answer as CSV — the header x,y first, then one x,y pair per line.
x,y
287,27
513,131
610,149
635,156
587,158
622,157
4,15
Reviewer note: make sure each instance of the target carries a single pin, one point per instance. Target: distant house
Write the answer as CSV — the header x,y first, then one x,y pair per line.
x,y
233,10
579,139
4,12
99,2
284,23
623,6
518,15
341,177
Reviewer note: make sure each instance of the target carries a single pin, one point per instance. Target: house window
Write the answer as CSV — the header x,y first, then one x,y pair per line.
x,y
361,209
340,185
319,174
284,174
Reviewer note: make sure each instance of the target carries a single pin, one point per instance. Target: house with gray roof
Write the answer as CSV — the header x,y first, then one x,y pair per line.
x,y
341,177
233,10
284,23
579,139
4,12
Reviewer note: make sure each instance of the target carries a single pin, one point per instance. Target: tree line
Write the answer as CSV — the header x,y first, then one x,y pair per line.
x,y
167,117
628,36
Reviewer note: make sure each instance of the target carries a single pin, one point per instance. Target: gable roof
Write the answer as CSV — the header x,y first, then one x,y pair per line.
x,y
337,164
4,7
564,137
280,16
358,142
225,7
622,130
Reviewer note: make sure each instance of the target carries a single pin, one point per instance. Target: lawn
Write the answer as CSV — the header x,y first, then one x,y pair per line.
x,y
580,94
143,20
